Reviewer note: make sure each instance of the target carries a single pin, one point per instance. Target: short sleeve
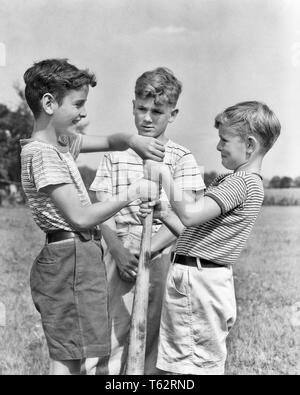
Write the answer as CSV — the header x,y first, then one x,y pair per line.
x,y
187,174
103,179
229,194
48,168
73,142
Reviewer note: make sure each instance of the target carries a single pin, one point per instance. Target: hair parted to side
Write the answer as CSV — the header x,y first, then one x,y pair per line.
x,y
55,76
160,84
251,118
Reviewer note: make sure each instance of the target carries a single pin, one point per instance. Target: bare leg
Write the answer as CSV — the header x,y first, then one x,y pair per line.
x,y
60,368
89,366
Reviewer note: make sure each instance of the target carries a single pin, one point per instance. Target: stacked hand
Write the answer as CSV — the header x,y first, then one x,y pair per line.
x,y
148,147
144,190
127,263
160,209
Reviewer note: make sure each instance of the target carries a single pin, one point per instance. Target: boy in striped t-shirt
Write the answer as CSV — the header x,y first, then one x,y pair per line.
x,y
68,278
199,306
156,95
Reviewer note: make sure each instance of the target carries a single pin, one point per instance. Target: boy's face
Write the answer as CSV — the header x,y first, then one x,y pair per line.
x,y
232,148
71,111
152,119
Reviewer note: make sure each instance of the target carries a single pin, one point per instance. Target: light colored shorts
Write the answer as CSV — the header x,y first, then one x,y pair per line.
x,y
199,309
121,295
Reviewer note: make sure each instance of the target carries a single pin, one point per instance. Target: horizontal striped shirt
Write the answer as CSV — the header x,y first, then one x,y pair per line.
x,y
44,164
118,170
240,196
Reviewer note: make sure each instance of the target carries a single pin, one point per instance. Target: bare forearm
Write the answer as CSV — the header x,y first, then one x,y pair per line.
x,y
114,142
178,203
120,141
173,223
162,239
189,211
87,217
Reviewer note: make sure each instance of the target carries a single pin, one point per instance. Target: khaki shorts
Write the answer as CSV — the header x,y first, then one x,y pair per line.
x,y
199,309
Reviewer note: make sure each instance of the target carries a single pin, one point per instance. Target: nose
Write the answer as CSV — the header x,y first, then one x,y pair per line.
x,y
147,117
83,113
219,146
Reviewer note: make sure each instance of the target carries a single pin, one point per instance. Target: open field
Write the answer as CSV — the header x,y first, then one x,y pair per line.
x,y
265,339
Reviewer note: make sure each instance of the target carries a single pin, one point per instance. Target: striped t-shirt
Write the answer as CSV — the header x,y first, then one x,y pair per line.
x,y
119,169
240,196
44,164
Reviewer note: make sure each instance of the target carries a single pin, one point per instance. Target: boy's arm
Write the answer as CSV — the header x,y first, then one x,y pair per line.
x,y
66,199
125,259
190,213
145,147
172,227
162,239
169,218
173,223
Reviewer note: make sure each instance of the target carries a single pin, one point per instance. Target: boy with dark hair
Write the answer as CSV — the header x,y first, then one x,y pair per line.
x,y
199,307
154,107
68,278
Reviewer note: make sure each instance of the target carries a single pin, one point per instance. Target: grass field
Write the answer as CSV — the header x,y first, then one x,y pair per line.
x,y
265,339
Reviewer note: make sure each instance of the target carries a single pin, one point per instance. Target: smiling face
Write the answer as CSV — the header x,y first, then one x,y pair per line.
x,y
152,119
72,109
232,147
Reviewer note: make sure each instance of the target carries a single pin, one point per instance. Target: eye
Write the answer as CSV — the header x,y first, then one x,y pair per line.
x,y
79,104
157,112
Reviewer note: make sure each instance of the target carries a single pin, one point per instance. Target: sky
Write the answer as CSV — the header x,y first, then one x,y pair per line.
x,y
223,51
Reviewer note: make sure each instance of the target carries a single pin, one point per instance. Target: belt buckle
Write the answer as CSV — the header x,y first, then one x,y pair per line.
x,y
199,266
173,258
96,234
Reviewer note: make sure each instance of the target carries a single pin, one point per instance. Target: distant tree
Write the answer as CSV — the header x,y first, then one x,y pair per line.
x,y
297,182
266,182
286,182
275,182
209,177
15,124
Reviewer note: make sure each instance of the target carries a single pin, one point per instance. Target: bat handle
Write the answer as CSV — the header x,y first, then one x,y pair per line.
x,y
138,327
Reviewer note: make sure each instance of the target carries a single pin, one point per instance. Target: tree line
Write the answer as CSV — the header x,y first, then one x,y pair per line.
x,y
284,182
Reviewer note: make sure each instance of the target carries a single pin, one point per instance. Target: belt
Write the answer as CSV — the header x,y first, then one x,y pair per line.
x,y
59,235
192,261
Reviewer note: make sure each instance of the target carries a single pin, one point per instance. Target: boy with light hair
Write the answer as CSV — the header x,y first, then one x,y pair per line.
x,y
199,306
154,107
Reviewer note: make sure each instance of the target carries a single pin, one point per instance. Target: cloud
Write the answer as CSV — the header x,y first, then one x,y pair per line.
x,y
166,30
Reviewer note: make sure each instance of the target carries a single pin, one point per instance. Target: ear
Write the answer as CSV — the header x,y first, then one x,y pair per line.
x,y
48,103
173,115
252,145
